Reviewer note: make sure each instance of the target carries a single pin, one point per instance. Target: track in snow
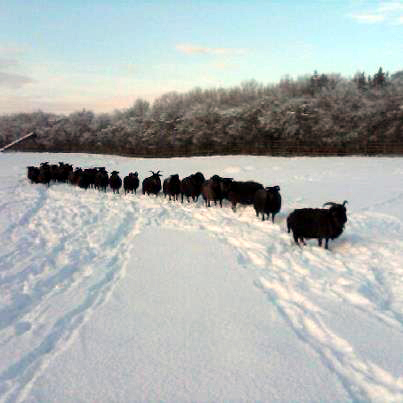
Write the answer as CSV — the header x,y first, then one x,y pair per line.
x,y
65,249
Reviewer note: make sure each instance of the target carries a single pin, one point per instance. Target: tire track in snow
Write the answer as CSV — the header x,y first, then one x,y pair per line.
x,y
105,243
291,276
363,380
27,209
377,289
36,282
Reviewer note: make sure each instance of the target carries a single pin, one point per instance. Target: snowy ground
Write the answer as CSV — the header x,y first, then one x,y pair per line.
x,y
130,298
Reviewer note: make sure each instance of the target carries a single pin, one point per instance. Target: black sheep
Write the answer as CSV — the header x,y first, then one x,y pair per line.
x,y
212,190
74,176
241,192
54,172
44,173
115,182
131,182
318,223
152,184
267,201
64,172
191,186
91,174
172,187
101,179
33,174
84,179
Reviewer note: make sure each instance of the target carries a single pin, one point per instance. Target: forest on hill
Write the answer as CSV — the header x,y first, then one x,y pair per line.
x,y
318,114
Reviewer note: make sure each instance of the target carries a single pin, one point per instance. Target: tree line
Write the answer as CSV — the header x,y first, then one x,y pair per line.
x,y
312,115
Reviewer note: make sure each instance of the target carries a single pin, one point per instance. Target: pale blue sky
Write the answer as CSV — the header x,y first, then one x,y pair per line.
x,y
62,56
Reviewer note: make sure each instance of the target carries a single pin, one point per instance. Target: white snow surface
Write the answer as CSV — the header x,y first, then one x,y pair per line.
x,y
113,298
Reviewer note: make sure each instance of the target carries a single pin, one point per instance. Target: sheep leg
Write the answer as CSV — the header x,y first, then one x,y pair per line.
x,y
326,243
320,241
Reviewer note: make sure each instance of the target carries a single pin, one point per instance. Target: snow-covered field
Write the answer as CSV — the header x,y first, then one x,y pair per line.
x,y
118,298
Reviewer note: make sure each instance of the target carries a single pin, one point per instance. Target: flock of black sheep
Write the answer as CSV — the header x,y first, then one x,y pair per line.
x,y
323,223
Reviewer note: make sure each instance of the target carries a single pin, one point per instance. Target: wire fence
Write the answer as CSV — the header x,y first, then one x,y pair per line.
x,y
275,148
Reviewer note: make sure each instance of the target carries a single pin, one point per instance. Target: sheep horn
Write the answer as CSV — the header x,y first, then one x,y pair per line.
x,y
345,202
329,204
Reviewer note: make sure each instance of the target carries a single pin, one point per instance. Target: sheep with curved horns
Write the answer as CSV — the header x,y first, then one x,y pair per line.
x,y
318,223
152,184
267,201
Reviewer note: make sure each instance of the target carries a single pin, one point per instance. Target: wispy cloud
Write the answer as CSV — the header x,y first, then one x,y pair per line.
x,y
390,7
6,63
196,49
9,63
222,65
369,18
382,12
11,80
